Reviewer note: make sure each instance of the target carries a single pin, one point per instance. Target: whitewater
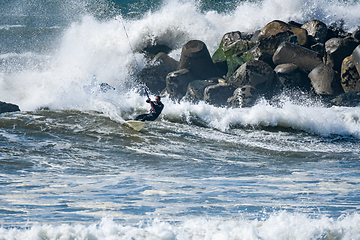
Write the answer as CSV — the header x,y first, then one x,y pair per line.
x,y
284,169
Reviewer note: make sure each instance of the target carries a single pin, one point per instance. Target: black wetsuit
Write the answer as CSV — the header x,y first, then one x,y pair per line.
x,y
155,111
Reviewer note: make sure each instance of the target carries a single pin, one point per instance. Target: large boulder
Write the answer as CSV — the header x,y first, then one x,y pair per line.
x,y
256,73
8,107
177,83
350,79
325,81
266,47
304,58
277,26
219,58
243,97
232,53
195,57
195,90
154,76
218,94
291,77
316,30
337,49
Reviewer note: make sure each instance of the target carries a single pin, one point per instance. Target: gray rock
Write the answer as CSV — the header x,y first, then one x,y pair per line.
x,y
337,49
256,73
266,47
319,48
304,58
195,90
218,94
153,49
287,68
154,76
168,64
351,99
243,97
8,107
324,81
291,76
196,58
177,83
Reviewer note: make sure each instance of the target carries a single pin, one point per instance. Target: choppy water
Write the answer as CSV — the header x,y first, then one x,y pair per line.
x,y
284,171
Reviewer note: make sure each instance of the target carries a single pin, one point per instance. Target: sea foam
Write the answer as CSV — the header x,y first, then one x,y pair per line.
x,y
281,225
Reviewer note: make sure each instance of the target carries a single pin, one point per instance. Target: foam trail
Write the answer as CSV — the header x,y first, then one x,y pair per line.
x,y
310,117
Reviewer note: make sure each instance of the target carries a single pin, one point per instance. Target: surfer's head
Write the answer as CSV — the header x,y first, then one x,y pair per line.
x,y
157,99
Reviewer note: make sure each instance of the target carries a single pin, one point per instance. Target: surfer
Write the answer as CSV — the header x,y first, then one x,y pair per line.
x,y
156,108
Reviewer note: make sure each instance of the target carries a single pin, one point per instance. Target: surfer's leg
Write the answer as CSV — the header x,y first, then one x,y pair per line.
x,y
149,117
140,117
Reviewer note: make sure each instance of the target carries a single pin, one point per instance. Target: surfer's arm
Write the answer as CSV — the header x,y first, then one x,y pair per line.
x,y
151,103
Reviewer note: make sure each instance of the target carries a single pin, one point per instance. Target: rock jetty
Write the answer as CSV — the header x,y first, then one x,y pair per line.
x,y
320,60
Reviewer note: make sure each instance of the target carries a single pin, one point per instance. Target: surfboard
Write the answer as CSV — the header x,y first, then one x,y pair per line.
x,y
136,125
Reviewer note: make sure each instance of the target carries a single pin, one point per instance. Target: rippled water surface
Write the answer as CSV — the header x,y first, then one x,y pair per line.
x,y
288,170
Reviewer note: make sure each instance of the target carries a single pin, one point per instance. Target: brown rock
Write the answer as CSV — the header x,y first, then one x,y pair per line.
x,y
317,29
276,27
350,79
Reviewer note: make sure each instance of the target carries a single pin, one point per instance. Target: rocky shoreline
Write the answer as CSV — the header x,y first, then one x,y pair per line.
x,y
318,60
313,58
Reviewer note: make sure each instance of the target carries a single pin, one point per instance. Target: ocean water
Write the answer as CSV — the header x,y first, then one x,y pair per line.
x,y
288,170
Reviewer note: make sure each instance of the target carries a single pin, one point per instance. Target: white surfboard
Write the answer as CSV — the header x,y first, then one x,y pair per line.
x,y
136,125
